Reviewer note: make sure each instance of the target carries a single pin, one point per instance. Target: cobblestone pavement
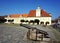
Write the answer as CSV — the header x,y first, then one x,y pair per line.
x,y
13,34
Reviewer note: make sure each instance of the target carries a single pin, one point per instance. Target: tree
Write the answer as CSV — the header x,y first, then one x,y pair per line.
x,y
36,21
2,20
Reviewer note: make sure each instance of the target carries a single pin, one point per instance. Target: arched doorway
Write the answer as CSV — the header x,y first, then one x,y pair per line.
x,y
22,21
42,23
46,23
10,21
31,21
36,21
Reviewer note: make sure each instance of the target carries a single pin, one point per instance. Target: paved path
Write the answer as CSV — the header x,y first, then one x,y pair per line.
x,y
16,33
47,29
13,34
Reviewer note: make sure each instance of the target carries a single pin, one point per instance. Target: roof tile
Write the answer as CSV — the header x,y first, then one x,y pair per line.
x,y
32,13
15,15
45,14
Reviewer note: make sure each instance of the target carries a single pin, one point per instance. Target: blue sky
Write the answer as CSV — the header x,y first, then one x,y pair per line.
x,y
24,6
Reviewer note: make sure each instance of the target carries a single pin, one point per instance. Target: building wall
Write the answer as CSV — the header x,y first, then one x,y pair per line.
x,y
41,19
58,21
44,19
16,20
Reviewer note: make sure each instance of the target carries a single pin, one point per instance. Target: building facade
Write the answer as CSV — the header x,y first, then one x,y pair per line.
x,y
38,14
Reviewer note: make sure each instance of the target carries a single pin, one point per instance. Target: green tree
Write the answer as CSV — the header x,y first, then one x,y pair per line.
x,y
2,20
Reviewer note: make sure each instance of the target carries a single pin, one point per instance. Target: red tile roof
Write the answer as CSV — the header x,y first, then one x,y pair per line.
x,y
32,13
18,15
45,14
15,15
24,15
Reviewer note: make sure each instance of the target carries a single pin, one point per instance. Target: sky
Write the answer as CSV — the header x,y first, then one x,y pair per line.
x,y
24,6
